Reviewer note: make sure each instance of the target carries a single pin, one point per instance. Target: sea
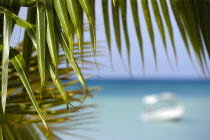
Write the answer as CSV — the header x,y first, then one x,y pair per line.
x,y
119,109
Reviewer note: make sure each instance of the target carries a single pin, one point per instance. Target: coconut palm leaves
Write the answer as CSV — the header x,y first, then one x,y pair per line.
x,y
50,33
18,2
134,8
5,55
40,40
87,9
58,24
147,16
20,105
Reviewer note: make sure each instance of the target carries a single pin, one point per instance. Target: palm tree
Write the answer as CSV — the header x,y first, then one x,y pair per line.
x,y
32,71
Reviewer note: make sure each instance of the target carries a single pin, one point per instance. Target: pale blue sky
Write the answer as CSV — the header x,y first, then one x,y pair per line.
x,y
184,69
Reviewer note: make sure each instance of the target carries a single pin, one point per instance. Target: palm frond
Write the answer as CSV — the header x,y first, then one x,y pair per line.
x,y
58,21
5,58
20,107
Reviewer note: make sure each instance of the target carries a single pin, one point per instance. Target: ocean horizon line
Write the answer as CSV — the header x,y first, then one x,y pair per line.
x,y
151,79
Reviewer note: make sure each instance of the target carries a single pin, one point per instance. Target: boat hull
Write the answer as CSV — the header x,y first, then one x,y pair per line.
x,y
169,114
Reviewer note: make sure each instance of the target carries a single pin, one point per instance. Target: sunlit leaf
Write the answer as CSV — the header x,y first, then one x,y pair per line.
x,y
19,65
86,7
40,30
51,33
5,58
60,7
57,82
27,43
74,64
74,14
30,28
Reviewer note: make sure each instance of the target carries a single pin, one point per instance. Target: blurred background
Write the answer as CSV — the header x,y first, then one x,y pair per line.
x,y
119,101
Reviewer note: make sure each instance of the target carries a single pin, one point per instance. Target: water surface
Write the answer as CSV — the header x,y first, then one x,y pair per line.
x,y
120,108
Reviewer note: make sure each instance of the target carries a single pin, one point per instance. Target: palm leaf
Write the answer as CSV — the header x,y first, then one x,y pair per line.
x,y
81,16
27,43
134,8
74,66
74,14
105,7
1,135
18,2
160,26
30,28
19,65
67,17
5,58
41,43
191,29
116,23
86,7
123,9
51,33
149,27
164,7
65,23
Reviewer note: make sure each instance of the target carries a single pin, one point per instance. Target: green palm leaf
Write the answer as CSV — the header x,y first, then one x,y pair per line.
x,y
160,26
74,14
159,21
30,28
86,7
116,23
123,9
53,43
65,23
164,7
19,2
192,29
51,33
19,65
41,43
81,16
134,8
5,58
74,64
105,7
149,27
1,135
58,83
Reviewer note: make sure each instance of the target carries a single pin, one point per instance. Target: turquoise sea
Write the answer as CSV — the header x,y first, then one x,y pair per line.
x,y
119,108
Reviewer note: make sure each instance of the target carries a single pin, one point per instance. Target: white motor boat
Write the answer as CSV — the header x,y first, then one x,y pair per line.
x,y
171,111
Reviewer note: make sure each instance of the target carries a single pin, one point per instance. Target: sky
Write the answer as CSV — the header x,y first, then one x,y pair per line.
x,y
184,69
